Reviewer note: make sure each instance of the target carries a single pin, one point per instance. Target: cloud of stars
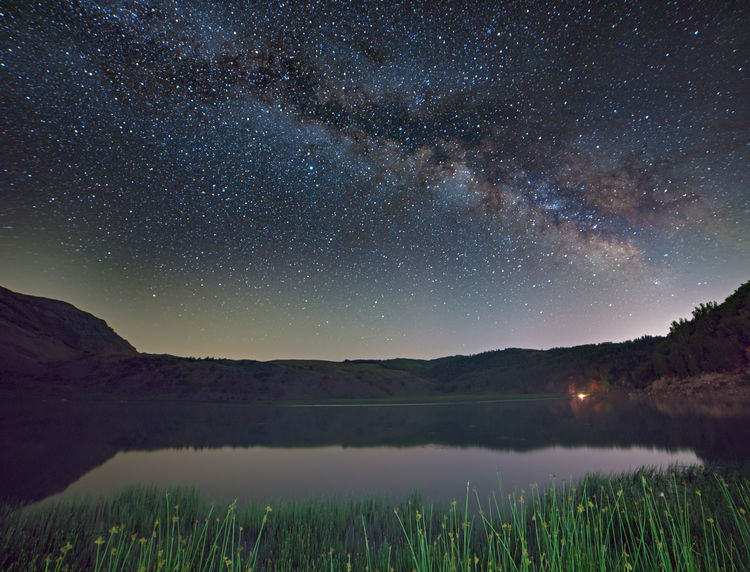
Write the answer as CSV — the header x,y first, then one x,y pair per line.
x,y
365,179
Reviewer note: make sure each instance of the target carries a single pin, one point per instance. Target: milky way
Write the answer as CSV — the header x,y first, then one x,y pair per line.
x,y
367,179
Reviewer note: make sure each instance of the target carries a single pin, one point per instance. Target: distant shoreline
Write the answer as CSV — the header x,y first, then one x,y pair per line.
x,y
706,387
701,385
417,400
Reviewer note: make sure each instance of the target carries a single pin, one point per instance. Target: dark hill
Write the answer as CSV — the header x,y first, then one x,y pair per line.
x,y
48,347
37,334
715,340
51,347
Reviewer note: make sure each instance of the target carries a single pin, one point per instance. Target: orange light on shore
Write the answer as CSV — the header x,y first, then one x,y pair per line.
x,y
583,396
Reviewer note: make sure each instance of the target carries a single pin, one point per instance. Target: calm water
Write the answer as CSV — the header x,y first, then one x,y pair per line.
x,y
57,449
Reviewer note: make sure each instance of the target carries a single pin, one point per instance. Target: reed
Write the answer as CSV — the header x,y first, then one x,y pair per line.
x,y
646,520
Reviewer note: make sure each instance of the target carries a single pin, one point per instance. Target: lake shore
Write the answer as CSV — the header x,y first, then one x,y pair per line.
x,y
706,387
718,395
681,519
727,383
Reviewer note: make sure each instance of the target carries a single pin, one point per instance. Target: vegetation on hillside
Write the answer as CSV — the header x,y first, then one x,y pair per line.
x,y
715,339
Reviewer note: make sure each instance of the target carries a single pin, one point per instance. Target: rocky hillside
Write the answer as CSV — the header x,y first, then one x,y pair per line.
x,y
38,334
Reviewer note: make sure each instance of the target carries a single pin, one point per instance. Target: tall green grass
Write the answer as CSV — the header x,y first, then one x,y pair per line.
x,y
646,520
139,529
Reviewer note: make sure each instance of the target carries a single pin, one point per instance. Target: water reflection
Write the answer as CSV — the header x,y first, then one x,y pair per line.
x,y
47,446
439,473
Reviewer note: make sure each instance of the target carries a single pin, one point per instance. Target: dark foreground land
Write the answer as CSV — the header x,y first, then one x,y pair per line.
x,y
682,520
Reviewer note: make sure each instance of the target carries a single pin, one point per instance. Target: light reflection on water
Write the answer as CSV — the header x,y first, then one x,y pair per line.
x,y
440,473
262,452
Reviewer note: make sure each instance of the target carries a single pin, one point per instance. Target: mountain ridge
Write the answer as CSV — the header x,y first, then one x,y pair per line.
x,y
50,347
36,332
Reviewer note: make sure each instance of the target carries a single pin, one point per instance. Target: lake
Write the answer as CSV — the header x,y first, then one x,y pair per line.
x,y
61,449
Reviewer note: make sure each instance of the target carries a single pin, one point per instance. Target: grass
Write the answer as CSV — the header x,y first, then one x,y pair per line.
x,y
646,520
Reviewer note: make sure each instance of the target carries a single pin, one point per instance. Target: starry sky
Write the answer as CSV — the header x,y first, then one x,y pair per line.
x,y
374,179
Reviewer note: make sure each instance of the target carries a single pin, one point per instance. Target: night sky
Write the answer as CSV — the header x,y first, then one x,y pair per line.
x,y
375,179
